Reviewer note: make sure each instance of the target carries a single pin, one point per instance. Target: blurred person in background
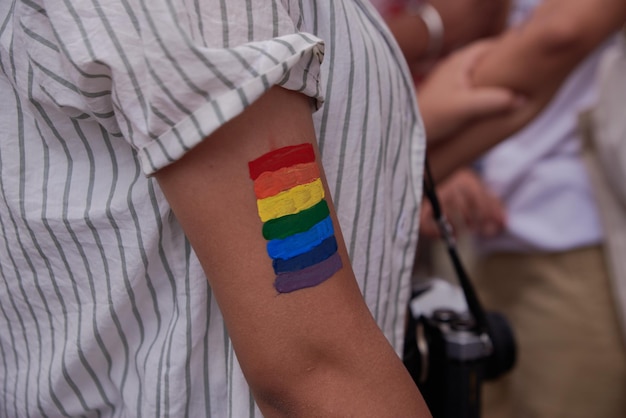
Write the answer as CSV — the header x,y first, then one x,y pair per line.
x,y
547,270
428,32
603,128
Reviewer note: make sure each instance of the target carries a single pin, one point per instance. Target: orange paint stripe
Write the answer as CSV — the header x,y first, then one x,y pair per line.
x,y
271,183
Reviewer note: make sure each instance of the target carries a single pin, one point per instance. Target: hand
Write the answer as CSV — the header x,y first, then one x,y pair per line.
x,y
448,100
465,21
468,206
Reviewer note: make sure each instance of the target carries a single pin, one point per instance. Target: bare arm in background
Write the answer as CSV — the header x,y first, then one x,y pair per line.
x,y
449,101
463,20
534,60
314,352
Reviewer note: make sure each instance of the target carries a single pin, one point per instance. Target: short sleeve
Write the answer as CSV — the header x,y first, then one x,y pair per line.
x,y
165,74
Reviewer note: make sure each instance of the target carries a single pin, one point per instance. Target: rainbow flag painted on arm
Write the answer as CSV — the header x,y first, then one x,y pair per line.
x,y
296,218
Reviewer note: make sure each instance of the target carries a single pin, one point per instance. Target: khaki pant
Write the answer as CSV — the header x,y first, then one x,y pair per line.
x,y
571,359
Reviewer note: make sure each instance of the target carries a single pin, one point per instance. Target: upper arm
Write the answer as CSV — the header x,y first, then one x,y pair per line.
x,y
212,194
287,343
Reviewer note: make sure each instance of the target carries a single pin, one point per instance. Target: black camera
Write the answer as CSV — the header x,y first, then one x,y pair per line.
x,y
454,345
449,355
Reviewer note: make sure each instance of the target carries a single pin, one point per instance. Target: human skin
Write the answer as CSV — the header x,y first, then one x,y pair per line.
x,y
533,60
486,18
467,204
309,353
449,100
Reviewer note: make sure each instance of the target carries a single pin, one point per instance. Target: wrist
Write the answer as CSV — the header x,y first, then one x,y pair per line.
x,y
434,26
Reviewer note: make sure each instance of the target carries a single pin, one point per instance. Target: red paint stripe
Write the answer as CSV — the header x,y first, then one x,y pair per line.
x,y
282,157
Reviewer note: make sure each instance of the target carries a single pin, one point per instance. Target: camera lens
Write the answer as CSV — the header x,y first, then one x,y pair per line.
x,y
463,323
444,315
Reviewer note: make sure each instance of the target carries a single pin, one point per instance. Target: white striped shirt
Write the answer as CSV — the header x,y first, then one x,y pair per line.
x,y
104,308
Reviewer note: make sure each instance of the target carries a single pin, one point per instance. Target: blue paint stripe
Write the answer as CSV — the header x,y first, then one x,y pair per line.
x,y
319,253
302,242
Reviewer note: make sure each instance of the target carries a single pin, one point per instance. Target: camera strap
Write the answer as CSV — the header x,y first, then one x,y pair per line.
x,y
445,229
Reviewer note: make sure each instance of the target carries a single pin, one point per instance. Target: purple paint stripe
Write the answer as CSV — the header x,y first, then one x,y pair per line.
x,y
308,277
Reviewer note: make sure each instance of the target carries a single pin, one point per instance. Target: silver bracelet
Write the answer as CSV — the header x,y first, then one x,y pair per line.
x,y
434,24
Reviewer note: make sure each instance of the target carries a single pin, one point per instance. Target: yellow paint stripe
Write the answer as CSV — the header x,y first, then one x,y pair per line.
x,y
291,201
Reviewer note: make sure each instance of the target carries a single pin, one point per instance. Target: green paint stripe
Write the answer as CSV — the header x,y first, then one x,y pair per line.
x,y
286,226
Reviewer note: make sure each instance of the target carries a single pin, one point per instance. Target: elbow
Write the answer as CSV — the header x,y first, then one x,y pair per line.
x,y
285,390
279,374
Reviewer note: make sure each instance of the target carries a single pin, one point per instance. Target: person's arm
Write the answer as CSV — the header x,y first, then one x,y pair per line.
x,y
448,100
462,22
534,60
314,351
